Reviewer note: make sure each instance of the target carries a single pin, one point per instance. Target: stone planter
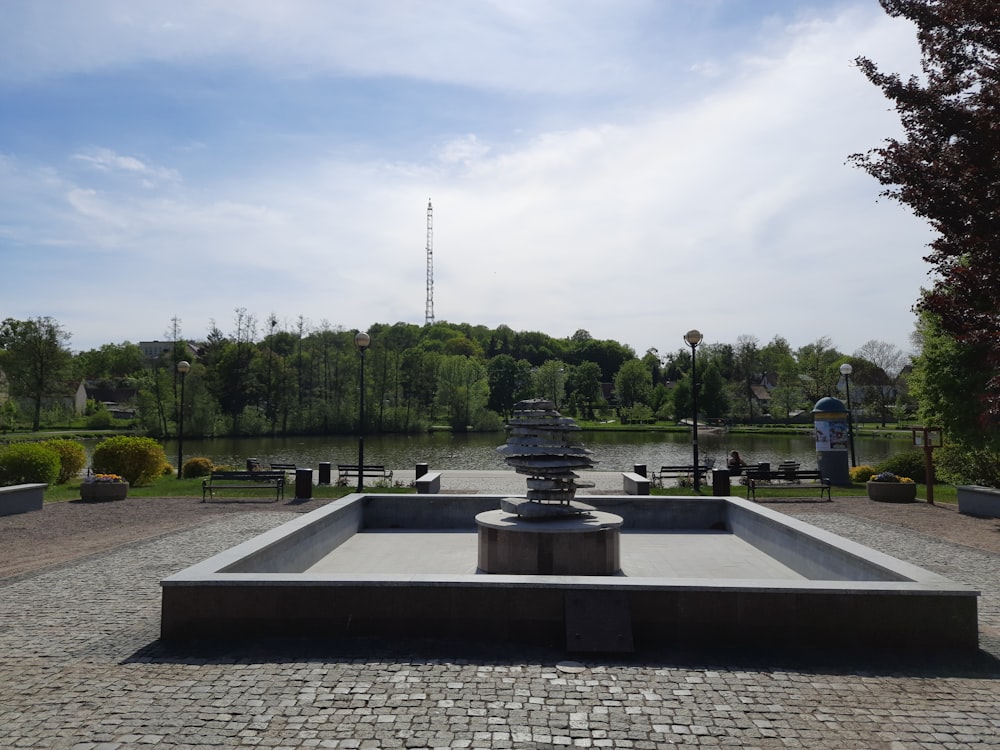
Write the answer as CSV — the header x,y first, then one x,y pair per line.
x,y
892,492
99,491
979,501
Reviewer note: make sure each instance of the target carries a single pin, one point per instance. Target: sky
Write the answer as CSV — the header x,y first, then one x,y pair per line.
x,y
632,168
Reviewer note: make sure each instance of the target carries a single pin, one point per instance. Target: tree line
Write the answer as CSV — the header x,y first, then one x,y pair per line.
x,y
267,379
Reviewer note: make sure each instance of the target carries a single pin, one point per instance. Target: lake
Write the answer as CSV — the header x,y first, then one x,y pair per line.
x,y
613,451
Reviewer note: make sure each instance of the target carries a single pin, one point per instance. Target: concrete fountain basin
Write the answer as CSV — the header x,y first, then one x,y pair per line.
x,y
694,571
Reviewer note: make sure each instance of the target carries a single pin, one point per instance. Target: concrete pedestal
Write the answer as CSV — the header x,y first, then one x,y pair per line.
x,y
21,498
587,544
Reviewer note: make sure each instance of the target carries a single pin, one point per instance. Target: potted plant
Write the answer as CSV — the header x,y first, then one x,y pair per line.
x,y
887,487
103,487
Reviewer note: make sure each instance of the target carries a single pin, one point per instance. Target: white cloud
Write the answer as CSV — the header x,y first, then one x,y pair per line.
x,y
731,210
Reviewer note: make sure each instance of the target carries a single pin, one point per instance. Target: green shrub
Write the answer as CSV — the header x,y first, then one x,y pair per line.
x,y
861,474
72,458
956,463
198,466
139,460
27,463
99,420
908,464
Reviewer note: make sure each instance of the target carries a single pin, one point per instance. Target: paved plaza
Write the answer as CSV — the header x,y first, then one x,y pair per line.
x,y
81,667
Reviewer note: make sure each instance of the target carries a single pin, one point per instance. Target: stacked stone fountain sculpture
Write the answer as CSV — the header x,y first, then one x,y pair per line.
x,y
549,531
542,445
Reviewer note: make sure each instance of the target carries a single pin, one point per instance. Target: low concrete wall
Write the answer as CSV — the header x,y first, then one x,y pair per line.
x,y
810,551
21,498
979,501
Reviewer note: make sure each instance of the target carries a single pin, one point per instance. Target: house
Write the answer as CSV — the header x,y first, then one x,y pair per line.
x,y
761,397
153,350
119,401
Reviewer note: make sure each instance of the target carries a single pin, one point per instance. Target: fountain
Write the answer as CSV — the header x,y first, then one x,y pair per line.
x,y
549,531
616,574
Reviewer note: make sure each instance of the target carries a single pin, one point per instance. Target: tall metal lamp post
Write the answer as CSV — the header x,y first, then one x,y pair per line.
x,y
693,338
183,367
361,340
846,370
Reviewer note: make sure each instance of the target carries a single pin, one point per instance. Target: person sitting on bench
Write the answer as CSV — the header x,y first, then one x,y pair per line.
x,y
735,463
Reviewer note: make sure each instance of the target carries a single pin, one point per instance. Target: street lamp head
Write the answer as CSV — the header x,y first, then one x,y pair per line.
x,y
846,369
183,367
693,337
362,340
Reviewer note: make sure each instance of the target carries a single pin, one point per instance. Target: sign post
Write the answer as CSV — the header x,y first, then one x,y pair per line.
x,y
928,438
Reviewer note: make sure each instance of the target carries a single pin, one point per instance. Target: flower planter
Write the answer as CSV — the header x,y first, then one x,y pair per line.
x,y
98,491
892,492
979,501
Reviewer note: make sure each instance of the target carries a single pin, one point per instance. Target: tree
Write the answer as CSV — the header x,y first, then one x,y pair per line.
x,y
36,360
117,361
549,381
462,390
818,363
881,377
746,370
584,385
947,379
633,384
508,379
947,170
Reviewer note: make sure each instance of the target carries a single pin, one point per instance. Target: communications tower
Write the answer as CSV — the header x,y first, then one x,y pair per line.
x,y
429,309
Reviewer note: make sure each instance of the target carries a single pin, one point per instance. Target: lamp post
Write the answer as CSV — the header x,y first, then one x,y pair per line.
x,y
846,370
361,340
183,367
693,338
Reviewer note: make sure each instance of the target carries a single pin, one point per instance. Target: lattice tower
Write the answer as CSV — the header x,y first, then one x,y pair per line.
x,y
429,308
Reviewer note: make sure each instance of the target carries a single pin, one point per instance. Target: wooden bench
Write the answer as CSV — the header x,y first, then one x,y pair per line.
x,y
244,480
786,481
678,472
287,468
375,471
635,484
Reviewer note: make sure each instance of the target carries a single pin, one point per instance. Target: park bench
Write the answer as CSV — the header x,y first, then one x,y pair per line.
x,y
287,468
786,480
346,472
244,480
678,472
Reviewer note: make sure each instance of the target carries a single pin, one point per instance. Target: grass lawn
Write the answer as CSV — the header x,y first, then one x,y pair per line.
x,y
943,493
173,487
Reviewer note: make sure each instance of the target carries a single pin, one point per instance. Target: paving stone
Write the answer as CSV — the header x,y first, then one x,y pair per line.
x,y
83,669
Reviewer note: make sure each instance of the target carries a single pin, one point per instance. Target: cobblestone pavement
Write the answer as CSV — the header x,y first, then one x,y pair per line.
x,y
81,668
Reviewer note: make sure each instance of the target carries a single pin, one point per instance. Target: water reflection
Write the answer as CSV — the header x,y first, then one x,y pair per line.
x,y
613,451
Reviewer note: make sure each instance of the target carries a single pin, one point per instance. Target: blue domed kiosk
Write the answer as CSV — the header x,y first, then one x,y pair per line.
x,y
832,440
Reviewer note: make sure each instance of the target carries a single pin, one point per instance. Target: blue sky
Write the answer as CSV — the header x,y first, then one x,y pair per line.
x,y
635,168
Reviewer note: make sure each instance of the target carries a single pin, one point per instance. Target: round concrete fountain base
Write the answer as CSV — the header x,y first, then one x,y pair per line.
x,y
585,544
